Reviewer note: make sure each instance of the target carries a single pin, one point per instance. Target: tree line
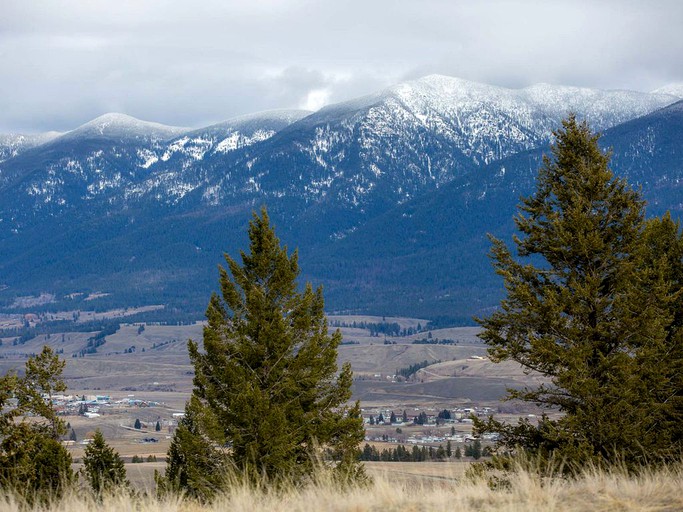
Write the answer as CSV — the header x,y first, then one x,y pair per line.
x,y
423,453
412,369
380,328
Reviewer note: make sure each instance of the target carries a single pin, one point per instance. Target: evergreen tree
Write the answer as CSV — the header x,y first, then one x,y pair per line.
x,y
392,418
72,435
33,461
458,453
591,307
137,424
103,468
157,428
659,292
266,383
193,465
476,449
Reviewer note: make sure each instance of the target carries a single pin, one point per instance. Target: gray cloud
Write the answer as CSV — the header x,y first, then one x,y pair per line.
x,y
190,64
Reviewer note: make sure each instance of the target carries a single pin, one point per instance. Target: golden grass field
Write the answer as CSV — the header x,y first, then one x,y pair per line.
x,y
592,491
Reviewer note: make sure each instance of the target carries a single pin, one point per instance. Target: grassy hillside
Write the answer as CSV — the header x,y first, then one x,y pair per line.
x,y
391,492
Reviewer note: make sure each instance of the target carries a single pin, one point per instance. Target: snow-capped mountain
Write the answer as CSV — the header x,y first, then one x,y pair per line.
x,y
368,154
430,256
12,145
675,89
362,155
121,127
112,195
233,134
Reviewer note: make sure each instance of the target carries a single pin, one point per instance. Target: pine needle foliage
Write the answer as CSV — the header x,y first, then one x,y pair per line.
x,y
103,467
593,303
33,461
268,397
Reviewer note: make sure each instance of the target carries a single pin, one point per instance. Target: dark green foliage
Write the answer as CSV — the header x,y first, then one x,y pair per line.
x,y
476,449
137,424
415,454
421,419
157,427
103,467
33,461
414,368
193,466
594,308
266,384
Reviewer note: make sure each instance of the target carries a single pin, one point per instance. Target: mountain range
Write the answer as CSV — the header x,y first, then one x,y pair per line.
x,y
388,197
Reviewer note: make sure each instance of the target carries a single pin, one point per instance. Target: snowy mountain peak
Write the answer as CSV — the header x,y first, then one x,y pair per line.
x,y
116,125
452,85
675,89
287,115
277,118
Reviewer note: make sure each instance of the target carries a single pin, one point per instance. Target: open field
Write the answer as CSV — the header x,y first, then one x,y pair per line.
x,y
154,358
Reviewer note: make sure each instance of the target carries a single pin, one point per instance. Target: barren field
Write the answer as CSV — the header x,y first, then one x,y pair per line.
x,y
154,358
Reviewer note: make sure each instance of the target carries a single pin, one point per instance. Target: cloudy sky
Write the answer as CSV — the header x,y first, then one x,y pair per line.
x,y
64,62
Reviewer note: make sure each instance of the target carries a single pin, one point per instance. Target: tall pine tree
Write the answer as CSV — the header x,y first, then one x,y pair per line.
x,y
267,385
591,307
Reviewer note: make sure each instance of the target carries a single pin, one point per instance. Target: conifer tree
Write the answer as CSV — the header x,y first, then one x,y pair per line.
x,y
103,467
267,383
33,461
587,308
659,293
194,465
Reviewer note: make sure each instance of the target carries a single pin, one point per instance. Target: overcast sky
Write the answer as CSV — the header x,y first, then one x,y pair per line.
x,y
185,63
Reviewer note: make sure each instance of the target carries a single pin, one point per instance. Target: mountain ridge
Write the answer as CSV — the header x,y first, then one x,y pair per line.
x,y
97,209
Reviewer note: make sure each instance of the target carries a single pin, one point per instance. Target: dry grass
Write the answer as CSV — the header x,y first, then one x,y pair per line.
x,y
594,491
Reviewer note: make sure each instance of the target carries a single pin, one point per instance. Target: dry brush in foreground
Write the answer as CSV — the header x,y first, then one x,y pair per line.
x,y
595,491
